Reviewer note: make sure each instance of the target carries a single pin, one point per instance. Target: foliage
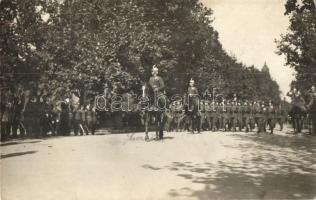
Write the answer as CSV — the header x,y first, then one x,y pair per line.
x,y
298,45
84,44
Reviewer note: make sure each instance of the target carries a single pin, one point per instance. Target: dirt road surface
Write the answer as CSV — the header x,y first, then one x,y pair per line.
x,y
182,166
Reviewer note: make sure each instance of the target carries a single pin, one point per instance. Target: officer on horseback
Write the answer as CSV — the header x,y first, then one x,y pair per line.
x,y
298,110
193,106
157,85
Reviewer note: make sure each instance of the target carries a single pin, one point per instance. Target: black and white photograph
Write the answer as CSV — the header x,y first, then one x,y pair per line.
x,y
157,99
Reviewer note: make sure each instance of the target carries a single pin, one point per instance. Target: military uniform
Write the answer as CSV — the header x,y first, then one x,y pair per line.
x,y
203,115
77,119
233,116
262,119
281,115
246,110
240,121
193,108
179,115
256,114
211,115
218,116
271,117
226,116
157,85
91,120
251,117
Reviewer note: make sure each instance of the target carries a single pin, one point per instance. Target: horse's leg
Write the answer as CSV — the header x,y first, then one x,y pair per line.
x,y
198,121
146,120
193,124
301,123
161,125
295,124
156,125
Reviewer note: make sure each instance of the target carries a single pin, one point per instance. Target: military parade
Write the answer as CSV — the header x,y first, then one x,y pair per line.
x,y
32,112
157,99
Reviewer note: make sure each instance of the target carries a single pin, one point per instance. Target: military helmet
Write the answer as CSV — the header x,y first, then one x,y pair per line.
x,y
154,69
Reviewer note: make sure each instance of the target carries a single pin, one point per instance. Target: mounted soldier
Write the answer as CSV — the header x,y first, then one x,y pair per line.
x,y
298,110
193,106
157,85
156,92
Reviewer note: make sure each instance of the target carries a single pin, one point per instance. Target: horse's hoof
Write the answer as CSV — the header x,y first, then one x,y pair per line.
x,y
146,138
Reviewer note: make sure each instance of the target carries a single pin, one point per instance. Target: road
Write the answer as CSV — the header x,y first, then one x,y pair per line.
x,y
183,166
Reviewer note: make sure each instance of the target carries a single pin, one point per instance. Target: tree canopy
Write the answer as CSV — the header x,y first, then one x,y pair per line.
x,y
85,44
298,45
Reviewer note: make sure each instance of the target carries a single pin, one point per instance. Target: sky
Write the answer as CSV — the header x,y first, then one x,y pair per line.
x,y
248,28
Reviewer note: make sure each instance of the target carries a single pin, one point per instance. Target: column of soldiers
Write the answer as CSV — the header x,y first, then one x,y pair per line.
x,y
230,115
30,112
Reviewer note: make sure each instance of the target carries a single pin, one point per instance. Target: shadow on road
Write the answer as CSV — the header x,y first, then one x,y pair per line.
x,y
270,167
16,154
18,142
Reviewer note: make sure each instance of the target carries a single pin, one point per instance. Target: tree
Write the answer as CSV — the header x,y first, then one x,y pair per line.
x,y
299,44
21,35
84,44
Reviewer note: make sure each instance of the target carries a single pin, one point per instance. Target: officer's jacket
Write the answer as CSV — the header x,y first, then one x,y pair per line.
x,y
256,109
193,91
246,109
218,109
157,82
297,99
312,102
271,112
234,109
228,108
91,115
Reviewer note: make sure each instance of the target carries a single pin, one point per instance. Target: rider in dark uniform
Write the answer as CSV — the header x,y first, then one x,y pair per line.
x,y
157,85
194,110
298,109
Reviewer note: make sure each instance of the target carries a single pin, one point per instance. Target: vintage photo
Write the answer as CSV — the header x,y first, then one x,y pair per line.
x,y
157,99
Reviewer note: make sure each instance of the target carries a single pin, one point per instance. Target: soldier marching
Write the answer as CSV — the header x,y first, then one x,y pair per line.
x,y
30,111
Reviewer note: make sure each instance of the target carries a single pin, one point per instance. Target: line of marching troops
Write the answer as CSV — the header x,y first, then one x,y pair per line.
x,y
229,116
38,117
25,113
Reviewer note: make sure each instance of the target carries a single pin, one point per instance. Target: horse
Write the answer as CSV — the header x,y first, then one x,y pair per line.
x,y
152,107
297,114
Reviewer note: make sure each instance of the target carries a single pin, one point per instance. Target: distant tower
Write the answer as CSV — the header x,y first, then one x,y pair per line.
x,y
265,68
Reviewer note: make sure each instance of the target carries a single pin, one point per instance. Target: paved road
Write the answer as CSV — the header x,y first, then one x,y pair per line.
x,y
183,166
